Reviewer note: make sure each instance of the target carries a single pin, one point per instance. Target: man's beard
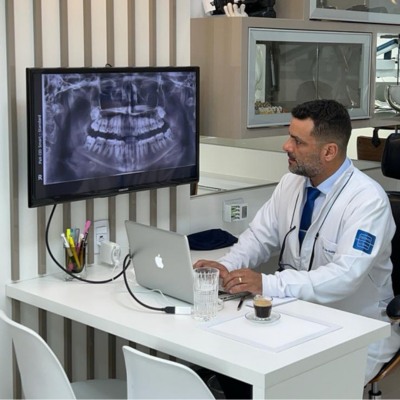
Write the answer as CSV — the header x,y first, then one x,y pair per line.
x,y
309,169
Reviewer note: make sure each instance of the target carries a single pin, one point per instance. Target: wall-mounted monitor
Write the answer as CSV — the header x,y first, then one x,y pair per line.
x,y
96,132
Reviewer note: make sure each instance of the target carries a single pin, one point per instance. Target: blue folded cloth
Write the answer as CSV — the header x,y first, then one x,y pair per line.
x,y
211,239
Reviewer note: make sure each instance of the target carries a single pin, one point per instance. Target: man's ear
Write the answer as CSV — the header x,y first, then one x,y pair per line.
x,y
330,151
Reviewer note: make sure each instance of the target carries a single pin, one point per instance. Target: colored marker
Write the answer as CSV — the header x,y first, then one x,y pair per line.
x,y
69,252
86,230
72,245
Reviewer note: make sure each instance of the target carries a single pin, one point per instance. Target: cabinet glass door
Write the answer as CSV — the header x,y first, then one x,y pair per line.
x,y
387,71
371,11
289,67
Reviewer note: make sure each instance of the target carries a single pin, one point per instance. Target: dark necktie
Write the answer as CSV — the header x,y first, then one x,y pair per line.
x,y
312,194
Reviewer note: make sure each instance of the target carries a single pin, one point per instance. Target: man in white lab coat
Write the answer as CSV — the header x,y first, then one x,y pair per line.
x,y
344,259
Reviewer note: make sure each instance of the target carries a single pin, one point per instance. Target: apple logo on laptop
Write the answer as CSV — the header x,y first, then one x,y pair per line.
x,y
159,261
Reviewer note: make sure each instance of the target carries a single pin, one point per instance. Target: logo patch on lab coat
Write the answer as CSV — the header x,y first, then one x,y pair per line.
x,y
364,241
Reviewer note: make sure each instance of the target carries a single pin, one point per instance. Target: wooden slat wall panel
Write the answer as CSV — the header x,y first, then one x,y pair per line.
x,y
83,33
13,140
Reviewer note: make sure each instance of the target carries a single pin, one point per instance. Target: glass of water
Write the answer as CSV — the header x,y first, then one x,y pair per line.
x,y
205,287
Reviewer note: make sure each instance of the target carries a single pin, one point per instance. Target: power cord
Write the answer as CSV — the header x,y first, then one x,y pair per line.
x,y
125,265
66,270
169,309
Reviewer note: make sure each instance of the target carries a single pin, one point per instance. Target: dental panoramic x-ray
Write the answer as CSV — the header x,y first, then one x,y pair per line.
x,y
101,131
101,124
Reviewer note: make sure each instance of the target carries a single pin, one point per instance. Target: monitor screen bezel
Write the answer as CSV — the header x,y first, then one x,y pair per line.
x,y
42,195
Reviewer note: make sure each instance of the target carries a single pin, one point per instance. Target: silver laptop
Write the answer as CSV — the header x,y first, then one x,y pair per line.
x,y
161,260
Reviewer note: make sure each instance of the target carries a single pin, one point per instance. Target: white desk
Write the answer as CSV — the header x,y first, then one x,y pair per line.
x,y
330,366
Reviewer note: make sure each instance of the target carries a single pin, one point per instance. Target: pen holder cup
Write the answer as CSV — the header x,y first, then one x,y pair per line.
x,y
75,262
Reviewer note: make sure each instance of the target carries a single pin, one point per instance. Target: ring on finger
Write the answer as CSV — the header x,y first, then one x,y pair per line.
x,y
240,279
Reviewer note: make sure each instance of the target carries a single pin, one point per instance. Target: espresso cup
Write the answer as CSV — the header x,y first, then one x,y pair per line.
x,y
262,307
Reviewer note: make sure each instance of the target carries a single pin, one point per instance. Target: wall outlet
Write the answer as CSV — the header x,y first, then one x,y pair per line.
x,y
101,233
234,210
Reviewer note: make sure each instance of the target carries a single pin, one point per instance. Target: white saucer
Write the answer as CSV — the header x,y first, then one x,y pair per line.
x,y
272,318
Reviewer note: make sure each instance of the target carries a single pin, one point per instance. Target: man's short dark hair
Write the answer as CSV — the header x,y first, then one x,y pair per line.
x,y
331,120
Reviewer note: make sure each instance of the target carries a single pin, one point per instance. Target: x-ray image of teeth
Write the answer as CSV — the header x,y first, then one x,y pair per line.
x,y
103,124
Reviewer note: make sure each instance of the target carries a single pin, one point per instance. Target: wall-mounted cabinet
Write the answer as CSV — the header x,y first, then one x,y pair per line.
x,y
254,70
289,67
369,11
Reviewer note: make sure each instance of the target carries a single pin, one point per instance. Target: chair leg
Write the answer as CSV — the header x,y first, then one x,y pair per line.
x,y
375,393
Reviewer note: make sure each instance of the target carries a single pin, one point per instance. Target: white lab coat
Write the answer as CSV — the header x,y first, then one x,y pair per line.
x,y
341,275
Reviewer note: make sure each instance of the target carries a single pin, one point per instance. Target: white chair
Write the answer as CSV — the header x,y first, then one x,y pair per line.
x,y
150,377
42,375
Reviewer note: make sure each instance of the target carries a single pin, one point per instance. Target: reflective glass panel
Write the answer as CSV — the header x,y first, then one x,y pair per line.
x,y
375,11
288,68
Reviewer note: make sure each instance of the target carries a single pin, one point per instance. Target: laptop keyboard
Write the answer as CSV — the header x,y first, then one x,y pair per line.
x,y
224,296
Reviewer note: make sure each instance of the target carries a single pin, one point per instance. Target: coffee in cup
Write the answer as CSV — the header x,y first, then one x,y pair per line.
x,y
262,307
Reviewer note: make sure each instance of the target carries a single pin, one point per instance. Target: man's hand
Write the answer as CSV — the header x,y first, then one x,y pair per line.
x,y
243,280
239,280
223,272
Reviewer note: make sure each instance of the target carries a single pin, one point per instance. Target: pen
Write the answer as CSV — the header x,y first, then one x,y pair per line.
x,y
241,301
77,236
82,253
80,244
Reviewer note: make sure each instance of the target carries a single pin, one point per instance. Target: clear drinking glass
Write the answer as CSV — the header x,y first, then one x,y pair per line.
x,y
205,288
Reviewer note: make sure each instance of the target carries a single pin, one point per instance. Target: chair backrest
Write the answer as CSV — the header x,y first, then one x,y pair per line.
x,y
150,377
394,198
42,375
390,164
390,167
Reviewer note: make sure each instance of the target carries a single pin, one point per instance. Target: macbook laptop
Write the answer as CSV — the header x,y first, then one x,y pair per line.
x,y
162,261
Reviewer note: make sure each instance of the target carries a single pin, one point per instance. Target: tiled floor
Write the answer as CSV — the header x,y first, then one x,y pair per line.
x,y
390,386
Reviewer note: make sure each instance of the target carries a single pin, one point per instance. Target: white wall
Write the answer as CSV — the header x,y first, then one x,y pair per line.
x,y
5,371
206,210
